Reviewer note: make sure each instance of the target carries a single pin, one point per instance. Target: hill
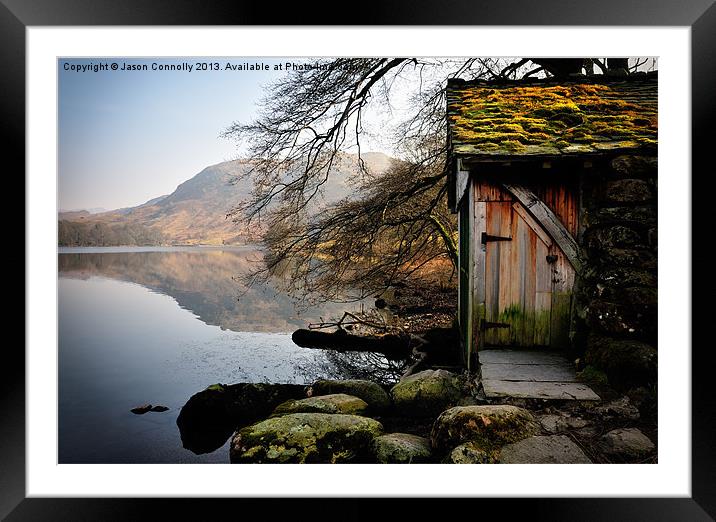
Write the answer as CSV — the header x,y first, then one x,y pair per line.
x,y
195,213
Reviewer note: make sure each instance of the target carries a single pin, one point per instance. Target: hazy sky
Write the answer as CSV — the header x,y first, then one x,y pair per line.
x,y
128,136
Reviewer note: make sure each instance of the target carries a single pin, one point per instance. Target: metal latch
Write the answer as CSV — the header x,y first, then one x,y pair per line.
x,y
487,237
484,325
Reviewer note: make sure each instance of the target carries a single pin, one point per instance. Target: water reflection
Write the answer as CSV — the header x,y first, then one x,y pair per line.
x,y
123,341
205,281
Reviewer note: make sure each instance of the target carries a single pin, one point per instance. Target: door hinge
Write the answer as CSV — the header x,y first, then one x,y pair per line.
x,y
484,325
487,237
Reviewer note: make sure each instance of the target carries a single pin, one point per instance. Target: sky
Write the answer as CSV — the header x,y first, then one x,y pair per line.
x,y
128,136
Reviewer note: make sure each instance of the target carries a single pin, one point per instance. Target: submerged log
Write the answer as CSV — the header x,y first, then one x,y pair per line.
x,y
393,346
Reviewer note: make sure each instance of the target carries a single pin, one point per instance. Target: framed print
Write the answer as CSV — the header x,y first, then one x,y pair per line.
x,y
421,246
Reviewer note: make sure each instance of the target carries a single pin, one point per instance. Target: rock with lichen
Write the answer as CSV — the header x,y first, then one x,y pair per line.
x,y
487,426
426,393
334,403
401,448
470,453
372,393
306,438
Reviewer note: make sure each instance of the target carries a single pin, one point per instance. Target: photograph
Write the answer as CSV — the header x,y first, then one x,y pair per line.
x,y
369,260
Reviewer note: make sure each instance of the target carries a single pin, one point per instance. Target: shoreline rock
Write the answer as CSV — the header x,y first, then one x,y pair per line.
x,y
487,426
306,438
426,393
334,403
211,416
401,448
372,393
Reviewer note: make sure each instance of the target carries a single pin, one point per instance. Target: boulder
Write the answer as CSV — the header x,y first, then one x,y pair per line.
x,y
604,239
426,393
210,416
626,362
628,191
635,165
626,444
159,408
470,453
401,448
550,449
334,403
487,426
372,393
305,438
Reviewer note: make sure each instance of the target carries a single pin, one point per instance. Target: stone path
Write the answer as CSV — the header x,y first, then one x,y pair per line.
x,y
531,375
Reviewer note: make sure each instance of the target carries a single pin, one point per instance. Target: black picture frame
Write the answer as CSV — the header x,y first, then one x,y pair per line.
x,y
699,15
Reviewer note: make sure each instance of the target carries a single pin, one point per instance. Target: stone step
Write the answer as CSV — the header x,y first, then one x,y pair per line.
x,y
539,390
529,372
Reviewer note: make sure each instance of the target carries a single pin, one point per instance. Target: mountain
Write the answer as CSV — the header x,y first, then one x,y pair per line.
x,y
195,213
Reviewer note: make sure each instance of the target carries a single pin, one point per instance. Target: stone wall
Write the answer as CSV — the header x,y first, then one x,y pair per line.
x,y
615,314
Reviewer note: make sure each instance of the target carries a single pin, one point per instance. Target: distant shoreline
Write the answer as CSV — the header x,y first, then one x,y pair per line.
x,y
157,248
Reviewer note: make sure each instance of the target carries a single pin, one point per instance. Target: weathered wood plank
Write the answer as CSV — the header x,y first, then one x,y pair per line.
x,y
461,183
543,297
543,318
529,372
536,227
562,285
539,390
487,191
551,223
498,223
503,334
530,287
478,273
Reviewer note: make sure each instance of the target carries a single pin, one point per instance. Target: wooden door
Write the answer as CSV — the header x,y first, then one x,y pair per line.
x,y
527,282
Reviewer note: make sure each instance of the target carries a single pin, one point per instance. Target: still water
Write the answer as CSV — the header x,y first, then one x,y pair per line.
x,y
156,325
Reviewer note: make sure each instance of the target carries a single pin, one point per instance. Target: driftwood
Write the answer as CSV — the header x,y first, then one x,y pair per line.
x,y
393,346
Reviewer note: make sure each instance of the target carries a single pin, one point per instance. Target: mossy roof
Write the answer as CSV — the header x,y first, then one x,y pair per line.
x,y
547,118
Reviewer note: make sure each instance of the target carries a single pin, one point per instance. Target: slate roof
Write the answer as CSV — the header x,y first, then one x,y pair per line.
x,y
586,115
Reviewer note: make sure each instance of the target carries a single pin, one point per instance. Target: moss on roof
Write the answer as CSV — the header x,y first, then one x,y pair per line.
x,y
573,117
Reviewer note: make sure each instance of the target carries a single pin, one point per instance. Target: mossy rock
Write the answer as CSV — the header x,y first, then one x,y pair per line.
x,y
631,165
306,438
628,191
372,393
621,319
210,416
626,362
470,453
488,426
644,215
427,393
603,239
626,277
401,448
334,403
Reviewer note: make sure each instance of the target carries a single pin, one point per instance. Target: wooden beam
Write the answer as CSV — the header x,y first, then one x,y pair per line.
x,y
461,183
551,223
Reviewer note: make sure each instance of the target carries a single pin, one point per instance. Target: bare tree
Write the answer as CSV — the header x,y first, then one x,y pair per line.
x,y
398,222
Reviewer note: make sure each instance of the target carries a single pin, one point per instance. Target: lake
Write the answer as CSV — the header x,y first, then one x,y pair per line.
x,y
156,325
